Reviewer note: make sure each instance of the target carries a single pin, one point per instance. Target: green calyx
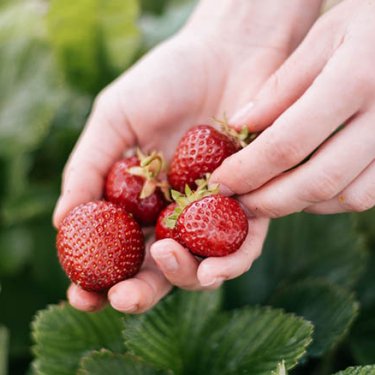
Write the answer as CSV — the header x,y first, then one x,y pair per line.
x,y
183,200
150,168
243,136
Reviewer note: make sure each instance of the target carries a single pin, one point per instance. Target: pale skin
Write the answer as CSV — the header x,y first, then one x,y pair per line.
x,y
187,80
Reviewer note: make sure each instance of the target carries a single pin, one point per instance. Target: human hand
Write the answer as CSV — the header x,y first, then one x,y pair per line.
x,y
328,81
185,81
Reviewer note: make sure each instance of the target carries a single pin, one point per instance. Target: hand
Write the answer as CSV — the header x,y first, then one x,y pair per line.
x,y
328,81
195,75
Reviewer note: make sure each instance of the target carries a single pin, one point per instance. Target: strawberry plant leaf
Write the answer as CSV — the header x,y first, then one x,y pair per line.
x,y
4,337
169,335
187,334
106,362
62,335
330,308
365,370
108,29
302,247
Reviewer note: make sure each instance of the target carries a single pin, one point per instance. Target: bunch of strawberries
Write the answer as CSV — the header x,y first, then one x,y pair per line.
x,y
101,243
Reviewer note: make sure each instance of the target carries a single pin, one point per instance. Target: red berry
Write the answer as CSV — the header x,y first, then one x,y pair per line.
x,y
124,189
201,150
213,226
161,229
99,244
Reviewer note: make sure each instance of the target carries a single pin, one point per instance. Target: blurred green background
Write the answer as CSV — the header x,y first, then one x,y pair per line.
x,y
55,56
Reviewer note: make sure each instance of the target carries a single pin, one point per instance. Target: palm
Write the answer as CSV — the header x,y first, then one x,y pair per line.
x,y
188,81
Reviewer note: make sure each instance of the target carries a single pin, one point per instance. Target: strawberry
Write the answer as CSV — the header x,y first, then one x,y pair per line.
x,y
133,184
207,223
99,244
201,150
161,229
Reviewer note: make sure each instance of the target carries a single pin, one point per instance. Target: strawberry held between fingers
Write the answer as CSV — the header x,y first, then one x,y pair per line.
x,y
207,223
99,244
133,184
201,150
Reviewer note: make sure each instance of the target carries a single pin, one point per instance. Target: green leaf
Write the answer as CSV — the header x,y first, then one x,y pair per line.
x,y
366,223
4,337
330,308
366,370
186,333
94,40
300,247
106,362
169,335
63,335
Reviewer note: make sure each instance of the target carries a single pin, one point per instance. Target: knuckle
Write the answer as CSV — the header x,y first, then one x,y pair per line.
x,y
102,99
358,202
265,208
235,174
283,153
274,83
323,187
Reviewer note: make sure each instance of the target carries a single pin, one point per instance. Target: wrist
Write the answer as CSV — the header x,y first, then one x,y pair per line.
x,y
268,21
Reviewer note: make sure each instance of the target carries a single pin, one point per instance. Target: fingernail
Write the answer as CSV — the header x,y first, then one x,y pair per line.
x,y
240,117
118,303
212,281
166,261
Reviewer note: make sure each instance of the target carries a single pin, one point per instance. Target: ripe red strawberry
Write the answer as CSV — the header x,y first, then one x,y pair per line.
x,y
132,183
201,150
213,226
99,244
161,229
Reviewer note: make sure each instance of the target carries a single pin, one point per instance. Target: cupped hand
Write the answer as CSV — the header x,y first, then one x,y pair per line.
x,y
317,113
201,72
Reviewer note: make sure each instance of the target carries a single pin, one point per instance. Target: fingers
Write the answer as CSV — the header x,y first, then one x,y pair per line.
x,y
84,300
215,270
106,136
331,169
185,271
291,80
177,263
140,293
356,197
328,103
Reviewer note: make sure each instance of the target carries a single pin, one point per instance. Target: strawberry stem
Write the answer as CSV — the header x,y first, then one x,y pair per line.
x,y
150,166
243,136
190,196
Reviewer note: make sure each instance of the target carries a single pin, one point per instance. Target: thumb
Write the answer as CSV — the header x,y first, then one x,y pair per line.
x,y
106,136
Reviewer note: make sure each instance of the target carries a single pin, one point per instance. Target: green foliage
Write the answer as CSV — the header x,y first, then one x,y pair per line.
x,y
301,247
367,370
106,362
94,40
329,307
187,333
55,56
63,334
